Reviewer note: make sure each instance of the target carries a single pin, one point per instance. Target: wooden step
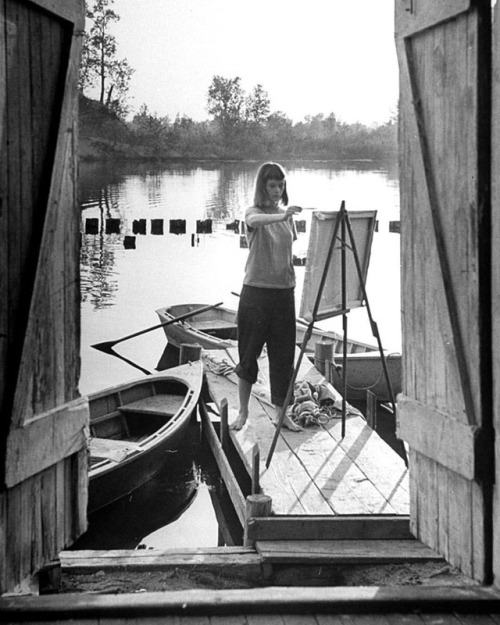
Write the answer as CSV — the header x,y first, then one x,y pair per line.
x,y
344,551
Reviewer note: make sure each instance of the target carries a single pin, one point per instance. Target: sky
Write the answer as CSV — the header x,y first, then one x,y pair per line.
x,y
311,56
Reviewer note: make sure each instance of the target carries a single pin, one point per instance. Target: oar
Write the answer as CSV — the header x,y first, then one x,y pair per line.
x,y
107,346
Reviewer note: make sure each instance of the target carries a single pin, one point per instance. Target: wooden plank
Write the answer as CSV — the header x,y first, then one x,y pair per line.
x,y
495,200
225,469
273,600
377,463
345,551
70,10
46,439
436,435
332,464
91,561
416,16
352,527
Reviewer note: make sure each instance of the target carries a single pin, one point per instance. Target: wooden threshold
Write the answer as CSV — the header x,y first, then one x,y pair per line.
x,y
271,600
232,561
345,552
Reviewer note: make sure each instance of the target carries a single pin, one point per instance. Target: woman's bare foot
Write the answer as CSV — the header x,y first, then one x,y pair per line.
x,y
238,423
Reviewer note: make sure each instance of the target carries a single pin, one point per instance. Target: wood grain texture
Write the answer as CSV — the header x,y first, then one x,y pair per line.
x,y
445,348
43,459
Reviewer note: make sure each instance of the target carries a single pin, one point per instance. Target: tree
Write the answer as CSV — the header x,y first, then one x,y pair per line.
x,y
99,61
258,106
226,101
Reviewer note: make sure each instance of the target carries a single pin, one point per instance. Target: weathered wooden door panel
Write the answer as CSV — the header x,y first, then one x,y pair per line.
x,y
442,49
43,422
495,203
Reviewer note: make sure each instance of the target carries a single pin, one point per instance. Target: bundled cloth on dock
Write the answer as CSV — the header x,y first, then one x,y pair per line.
x,y
315,404
219,366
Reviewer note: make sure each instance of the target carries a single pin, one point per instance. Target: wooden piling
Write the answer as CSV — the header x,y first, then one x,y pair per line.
x,y
323,351
224,425
256,506
255,470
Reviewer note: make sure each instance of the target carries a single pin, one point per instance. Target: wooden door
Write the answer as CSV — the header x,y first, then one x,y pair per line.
x,y
445,411
43,422
495,217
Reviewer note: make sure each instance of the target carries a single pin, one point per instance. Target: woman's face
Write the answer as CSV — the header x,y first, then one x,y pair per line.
x,y
274,190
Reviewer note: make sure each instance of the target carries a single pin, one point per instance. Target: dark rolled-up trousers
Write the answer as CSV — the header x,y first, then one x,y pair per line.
x,y
267,317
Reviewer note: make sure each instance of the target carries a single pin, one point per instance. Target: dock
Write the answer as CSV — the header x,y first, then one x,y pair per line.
x,y
344,493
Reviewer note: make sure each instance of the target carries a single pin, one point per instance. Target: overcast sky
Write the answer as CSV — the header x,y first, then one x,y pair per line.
x,y
311,56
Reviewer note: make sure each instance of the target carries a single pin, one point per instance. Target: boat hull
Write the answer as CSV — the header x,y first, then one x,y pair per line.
x,y
366,372
215,329
212,329
120,463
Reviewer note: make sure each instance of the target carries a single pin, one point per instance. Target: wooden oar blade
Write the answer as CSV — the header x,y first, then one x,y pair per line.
x,y
106,346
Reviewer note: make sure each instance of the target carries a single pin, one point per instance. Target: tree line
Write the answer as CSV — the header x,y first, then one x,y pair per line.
x,y
241,125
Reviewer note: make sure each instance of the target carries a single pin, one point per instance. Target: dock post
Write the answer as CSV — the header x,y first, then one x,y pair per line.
x,y
224,425
256,506
189,352
323,352
255,470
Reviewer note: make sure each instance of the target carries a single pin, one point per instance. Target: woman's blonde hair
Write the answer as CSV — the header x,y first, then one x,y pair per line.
x,y
268,171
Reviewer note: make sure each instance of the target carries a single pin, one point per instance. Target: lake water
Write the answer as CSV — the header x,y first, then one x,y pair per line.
x,y
122,288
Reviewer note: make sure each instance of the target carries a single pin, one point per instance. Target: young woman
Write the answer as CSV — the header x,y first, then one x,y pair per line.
x,y
266,313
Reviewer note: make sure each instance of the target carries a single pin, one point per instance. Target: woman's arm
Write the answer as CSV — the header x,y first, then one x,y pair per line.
x,y
256,220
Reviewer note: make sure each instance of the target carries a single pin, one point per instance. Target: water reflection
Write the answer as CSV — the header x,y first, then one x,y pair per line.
x,y
166,512
205,191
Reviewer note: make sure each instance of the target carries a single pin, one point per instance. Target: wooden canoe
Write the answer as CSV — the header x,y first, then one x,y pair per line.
x,y
215,329
135,426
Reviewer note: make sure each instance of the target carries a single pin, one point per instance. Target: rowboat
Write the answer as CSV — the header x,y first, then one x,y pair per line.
x,y
135,426
216,328
365,371
213,329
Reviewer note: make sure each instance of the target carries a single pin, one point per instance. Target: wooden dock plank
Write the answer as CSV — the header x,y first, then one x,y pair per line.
x,y
315,472
345,486
383,467
285,481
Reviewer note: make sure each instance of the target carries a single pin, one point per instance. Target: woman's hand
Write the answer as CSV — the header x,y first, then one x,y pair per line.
x,y
291,211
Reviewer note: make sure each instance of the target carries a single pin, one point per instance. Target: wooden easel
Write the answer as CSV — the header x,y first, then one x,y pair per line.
x,y
342,224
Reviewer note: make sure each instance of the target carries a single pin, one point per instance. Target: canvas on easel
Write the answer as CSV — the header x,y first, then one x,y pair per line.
x,y
322,229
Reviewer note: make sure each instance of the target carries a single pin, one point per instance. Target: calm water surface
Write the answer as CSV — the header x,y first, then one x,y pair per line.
x,y
122,288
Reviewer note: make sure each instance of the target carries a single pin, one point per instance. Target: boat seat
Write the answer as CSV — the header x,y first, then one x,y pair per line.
x,y
111,449
162,405
213,325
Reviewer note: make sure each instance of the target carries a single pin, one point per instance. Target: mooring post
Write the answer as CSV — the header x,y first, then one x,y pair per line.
x,y
224,425
189,352
323,353
255,470
256,506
